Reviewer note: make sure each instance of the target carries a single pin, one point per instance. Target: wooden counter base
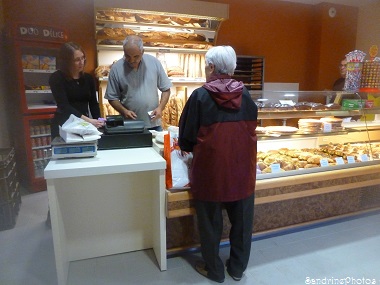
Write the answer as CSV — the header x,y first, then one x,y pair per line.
x,y
285,202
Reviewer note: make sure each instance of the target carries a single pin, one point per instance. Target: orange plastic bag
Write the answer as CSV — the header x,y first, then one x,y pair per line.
x,y
177,162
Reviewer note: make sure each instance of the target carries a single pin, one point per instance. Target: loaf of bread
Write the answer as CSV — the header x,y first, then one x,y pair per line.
x,y
148,18
115,32
102,71
175,71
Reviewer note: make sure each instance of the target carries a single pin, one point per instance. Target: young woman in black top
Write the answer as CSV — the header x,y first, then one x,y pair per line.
x,y
73,90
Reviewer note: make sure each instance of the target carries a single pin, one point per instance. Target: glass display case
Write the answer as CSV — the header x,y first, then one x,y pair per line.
x,y
316,131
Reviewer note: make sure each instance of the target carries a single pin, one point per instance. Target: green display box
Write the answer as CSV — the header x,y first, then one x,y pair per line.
x,y
353,104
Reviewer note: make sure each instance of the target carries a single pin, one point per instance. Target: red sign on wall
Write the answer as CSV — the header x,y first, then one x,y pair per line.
x,y
40,33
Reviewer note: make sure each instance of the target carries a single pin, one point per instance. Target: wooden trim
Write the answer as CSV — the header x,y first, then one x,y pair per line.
x,y
314,192
179,196
180,213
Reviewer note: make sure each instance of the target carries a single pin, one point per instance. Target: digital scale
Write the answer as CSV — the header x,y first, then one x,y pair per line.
x,y
62,149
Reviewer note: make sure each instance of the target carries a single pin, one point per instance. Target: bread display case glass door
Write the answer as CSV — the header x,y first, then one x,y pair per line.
x,y
37,139
34,50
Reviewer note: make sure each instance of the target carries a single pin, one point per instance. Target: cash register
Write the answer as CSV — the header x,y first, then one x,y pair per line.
x,y
124,133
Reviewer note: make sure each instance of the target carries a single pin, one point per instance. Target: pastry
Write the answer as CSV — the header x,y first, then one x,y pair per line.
x,y
109,32
304,156
147,18
261,165
314,159
301,164
310,165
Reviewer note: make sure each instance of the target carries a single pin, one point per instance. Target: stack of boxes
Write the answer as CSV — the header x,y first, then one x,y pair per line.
x,y
10,196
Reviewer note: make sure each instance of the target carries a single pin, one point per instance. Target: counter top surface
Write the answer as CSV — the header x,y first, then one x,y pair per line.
x,y
106,162
361,124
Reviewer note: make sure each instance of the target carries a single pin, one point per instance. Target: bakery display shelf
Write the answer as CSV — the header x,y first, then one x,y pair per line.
x,y
252,84
172,79
153,49
250,70
178,44
100,24
42,159
243,72
37,91
276,136
41,147
39,70
291,114
41,106
187,80
40,135
363,129
247,74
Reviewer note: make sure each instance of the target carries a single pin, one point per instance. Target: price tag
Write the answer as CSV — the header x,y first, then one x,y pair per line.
x,y
275,167
364,157
324,162
350,159
287,102
327,127
339,160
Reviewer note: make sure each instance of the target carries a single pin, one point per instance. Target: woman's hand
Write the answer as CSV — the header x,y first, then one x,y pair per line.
x,y
96,123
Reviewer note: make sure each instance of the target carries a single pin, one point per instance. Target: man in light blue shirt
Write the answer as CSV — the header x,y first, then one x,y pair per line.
x,y
133,85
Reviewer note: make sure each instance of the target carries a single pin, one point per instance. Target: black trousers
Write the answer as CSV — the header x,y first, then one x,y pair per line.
x,y
210,226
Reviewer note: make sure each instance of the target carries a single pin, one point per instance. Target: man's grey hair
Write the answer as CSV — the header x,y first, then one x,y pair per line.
x,y
133,40
223,58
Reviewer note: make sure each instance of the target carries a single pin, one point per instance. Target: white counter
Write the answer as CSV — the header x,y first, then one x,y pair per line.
x,y
106,162
108,204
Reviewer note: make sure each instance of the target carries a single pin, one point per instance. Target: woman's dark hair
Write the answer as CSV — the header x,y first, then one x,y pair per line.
x,y
66,57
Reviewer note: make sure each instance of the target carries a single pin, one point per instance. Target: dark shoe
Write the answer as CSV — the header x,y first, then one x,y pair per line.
x,y
200,267
234,277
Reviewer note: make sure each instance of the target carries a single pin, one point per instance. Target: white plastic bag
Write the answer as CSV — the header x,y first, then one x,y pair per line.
x,y
178,162
75,125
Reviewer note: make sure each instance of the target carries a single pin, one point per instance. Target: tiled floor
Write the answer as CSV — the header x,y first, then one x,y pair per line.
x,y
348,250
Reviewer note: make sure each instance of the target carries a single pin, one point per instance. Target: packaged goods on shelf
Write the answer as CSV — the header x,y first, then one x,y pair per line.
x,y
48,62
30,61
